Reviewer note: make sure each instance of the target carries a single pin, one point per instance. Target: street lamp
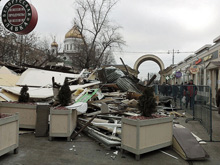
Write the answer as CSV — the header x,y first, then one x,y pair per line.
x,y
173,51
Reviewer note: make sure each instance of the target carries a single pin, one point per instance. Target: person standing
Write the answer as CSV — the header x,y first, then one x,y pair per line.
x,y
191,92
175,92
162,89
218,100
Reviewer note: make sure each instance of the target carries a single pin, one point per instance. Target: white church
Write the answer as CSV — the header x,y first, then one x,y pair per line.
x,y
69,56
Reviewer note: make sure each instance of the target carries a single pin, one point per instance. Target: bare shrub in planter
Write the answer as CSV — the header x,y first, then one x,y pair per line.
x,y
24,95
64,95
147,102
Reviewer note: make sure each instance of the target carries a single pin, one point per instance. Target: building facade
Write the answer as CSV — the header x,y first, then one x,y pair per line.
x,y
203,67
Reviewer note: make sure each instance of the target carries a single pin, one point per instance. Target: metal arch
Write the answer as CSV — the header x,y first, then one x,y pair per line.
x,y
150,57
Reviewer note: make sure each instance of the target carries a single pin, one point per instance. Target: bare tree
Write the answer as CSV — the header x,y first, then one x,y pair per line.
x,y
7,45
108,58
99,34
50,55
25,49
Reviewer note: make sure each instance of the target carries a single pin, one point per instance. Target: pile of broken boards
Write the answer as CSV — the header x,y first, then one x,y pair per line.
x,y
101,98
117,96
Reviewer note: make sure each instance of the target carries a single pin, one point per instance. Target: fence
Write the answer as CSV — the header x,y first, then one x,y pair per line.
x,y
195,100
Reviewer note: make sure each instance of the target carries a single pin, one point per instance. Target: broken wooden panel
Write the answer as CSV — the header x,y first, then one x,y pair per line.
x,y
186,145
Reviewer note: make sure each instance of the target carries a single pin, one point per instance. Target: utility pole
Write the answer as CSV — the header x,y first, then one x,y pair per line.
x,y
173,52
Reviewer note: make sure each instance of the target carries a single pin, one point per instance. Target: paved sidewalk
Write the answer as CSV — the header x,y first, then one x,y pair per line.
x,y
84,150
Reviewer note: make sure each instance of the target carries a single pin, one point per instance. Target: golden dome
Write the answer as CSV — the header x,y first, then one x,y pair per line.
x,y
54,44
73,33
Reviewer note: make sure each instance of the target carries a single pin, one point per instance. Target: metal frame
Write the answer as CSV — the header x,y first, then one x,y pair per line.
x,y
193,112
194,118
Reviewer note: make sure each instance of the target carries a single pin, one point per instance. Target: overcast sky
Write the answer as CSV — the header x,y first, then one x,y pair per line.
x,y
148,26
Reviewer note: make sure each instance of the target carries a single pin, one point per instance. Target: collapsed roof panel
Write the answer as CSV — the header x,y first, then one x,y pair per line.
x,y
40,93
8,79
75,87
8,96
43,93
39,78
5,70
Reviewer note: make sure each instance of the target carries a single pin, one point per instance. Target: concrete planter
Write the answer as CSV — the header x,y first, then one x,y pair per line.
x,y
141,136
9,127
27,113
62,123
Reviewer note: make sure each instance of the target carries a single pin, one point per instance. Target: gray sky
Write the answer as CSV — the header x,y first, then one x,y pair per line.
x,y
148,26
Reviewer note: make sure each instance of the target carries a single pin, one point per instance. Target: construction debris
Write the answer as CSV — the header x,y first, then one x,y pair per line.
x,y
101,99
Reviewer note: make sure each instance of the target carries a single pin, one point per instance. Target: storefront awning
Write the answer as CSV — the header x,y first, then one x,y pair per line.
x,y
213,65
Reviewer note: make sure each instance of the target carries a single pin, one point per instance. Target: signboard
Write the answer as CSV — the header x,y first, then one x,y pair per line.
x,y
19,16
178,74
206,58
167,77
194,69
198,61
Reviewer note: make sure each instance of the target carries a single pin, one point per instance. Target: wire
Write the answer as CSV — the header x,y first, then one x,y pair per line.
x,y
152,52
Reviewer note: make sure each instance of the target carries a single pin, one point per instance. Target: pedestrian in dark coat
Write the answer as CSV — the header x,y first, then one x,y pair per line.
x,y
175,92
218,100
190,94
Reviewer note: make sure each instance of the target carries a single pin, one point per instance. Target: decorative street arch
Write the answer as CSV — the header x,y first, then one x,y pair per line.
x,y
150,57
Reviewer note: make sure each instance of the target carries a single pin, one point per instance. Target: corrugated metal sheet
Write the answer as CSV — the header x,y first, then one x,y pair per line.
x,y
112,74
126,84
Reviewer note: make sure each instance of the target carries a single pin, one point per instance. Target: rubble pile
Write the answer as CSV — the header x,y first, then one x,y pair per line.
x,y
102,98
116,96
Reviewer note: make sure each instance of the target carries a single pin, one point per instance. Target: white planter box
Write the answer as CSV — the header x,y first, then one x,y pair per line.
x,y
141,136
9,127
27,113
62,123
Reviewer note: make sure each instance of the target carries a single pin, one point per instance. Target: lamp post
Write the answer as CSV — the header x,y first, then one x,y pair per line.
x,y
173,52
